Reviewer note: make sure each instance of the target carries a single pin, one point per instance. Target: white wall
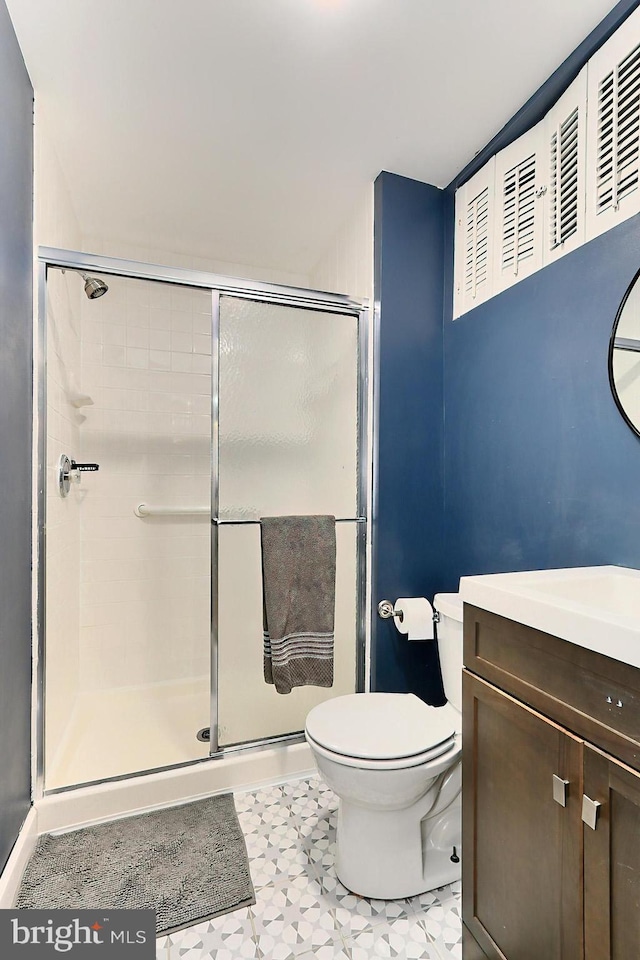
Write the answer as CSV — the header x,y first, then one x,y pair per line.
x,y
347,264
113,248
55,221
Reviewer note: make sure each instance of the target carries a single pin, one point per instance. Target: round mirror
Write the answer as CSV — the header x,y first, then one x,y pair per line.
x,y
624,356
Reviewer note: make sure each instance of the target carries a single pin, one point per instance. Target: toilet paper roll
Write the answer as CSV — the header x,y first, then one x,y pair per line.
x,y
417,617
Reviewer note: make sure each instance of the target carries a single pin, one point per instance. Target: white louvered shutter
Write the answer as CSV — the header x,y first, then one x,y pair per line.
x,y
519,210
473,240
613,136
565,148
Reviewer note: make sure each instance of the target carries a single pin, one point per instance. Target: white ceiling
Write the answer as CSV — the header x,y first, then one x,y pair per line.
x,y
245,130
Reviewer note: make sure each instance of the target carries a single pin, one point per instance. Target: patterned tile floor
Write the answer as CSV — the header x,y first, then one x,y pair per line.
x,y
302,911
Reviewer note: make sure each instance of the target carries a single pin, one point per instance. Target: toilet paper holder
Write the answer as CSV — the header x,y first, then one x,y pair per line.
x,y
386,611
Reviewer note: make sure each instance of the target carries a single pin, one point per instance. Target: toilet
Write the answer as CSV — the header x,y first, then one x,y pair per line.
x,y
394,763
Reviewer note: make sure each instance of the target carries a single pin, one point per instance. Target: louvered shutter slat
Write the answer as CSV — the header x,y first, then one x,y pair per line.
x,y
477,234
628,123
565,182
627,69
618,132
568,185
518,215
566,145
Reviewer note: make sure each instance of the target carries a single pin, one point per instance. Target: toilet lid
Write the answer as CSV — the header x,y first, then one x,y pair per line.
x,y
380,726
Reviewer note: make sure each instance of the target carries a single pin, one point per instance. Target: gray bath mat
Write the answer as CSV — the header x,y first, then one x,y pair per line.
x,y
188,863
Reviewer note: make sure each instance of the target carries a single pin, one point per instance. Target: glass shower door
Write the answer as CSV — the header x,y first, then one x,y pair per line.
x,y
128,576
288,429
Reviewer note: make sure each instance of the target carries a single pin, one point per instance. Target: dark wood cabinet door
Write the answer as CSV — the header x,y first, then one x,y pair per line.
x,y
522,850
611,859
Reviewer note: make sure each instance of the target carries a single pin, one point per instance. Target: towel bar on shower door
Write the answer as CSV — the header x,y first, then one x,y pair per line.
x,y
220,523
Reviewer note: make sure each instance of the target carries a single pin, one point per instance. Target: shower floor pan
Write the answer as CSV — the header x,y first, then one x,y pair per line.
x,y
112,733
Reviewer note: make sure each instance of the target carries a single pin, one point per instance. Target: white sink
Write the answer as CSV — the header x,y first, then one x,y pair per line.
x,y
594,607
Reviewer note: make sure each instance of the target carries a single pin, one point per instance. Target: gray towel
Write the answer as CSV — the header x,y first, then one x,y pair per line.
x,y
299,598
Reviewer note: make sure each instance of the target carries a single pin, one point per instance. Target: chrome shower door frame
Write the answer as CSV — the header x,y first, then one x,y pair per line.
x,y
319,302
218,285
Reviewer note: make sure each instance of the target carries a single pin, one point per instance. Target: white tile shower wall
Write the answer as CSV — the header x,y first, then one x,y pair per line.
x,y
145,583
62,515
55,224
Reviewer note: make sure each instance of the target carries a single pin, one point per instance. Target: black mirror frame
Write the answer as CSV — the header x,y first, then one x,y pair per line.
x,y
625,416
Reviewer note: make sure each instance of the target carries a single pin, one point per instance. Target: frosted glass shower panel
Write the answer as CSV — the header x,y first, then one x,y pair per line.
x,y
249,708
288,410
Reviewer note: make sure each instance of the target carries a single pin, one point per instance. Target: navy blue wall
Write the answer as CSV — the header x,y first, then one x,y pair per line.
x,y
16,254
409,249
541,469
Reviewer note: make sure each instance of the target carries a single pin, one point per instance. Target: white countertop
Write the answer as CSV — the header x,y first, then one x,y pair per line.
x,y
594,607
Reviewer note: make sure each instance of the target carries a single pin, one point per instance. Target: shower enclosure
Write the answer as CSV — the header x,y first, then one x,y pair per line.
x,y
176,408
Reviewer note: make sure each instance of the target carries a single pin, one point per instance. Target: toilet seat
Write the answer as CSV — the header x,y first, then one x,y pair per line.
x,y
382,730
441,757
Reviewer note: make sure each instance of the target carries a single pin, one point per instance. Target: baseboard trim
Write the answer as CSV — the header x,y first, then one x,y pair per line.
x,y
12,874
99,803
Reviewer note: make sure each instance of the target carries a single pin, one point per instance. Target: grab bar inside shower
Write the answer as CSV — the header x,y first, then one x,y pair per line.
x,y
148,510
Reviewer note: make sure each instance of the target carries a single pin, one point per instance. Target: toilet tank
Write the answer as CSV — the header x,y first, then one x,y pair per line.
x,y
449,629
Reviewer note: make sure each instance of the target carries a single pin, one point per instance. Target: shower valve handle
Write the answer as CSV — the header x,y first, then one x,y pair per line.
x,y
69,471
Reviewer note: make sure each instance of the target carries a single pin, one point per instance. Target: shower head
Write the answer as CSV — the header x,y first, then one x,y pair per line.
x,y
93,287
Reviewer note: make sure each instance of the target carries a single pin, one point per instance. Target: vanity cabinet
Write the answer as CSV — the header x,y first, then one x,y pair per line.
x,y
551,797
612,860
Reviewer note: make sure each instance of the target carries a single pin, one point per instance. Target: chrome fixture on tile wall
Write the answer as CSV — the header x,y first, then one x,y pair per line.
x,y
69,470
93,286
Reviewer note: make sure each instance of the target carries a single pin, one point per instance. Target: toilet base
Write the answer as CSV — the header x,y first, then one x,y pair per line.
x,y
389,855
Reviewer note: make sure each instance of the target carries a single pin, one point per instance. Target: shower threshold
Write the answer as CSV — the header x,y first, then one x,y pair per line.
x,y
245,767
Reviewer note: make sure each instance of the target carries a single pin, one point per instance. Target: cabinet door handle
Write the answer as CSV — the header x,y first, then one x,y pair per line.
x,y
560,790
590,811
